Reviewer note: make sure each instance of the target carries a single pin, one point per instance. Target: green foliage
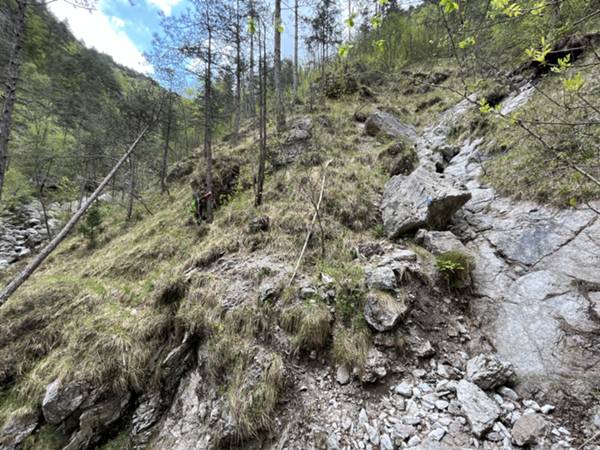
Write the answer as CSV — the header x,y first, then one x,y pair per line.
x,y
91,226
455,267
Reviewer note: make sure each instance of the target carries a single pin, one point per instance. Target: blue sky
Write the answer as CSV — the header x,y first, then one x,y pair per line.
x,y
124,29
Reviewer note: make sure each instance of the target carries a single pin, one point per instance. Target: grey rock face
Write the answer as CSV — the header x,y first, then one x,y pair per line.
x,y
488,371
529,261
94,420
421,199
380,122
61,400
382,278
438,242
480,410
529,429
16,429
383,311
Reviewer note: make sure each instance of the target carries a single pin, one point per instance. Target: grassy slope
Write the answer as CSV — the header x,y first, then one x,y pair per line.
x,y
99,315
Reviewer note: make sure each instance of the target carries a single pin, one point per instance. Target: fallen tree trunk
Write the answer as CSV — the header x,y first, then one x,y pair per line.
x,y
39,259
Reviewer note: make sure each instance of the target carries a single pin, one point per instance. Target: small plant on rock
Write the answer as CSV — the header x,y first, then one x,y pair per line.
x,y
455,267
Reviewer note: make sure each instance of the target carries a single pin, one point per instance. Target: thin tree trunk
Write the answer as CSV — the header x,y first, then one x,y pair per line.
x,y
280,113
165,158
251,86
39,259
238,75
260,178
10,91
296,33
208,126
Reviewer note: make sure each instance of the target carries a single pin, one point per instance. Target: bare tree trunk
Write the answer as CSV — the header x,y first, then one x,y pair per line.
x,y
10,90
208,125
296,33
39,259
238,75
165,157
280,113
260,178
251,86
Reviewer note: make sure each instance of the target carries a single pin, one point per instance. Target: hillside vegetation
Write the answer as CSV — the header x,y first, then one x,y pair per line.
x,y
270,300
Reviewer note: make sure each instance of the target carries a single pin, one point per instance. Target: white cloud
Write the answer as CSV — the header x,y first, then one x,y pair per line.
x,y
102,32
117,22
166,6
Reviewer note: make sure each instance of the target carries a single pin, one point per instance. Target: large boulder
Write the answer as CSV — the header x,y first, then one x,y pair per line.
x,y
480,410
62,399
381,122
422,199
383,311
488,371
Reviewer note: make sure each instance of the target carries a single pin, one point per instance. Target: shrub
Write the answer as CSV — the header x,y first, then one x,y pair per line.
x,y
455,267
91,227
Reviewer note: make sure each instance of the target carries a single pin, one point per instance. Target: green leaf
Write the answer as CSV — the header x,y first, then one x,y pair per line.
x,y
449,5
468,42
575,83
350,20
379,45
251,25
376,21
344,50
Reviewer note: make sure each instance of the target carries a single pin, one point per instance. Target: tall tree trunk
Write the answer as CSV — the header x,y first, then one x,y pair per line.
x,y
296,34
208,125
167,143
251,86
10,91
260,178
39,259
280,113
238,75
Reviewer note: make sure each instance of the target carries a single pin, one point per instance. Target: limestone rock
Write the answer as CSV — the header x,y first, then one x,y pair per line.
x,y
16,429
421,199
375,367
383,311
380,122
342,375
382,278
438,242
95,420
529,429
480,410
61,400
488,371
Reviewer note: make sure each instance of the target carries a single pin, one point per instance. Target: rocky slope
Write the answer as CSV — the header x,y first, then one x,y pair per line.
x,y
507,359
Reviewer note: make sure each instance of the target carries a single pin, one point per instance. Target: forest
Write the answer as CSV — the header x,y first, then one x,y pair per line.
x,y
329,224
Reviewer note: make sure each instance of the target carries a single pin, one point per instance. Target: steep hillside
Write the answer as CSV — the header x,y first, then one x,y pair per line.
x,y
174,335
